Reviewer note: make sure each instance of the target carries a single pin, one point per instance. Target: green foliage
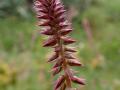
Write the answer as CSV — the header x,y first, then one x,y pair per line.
x,y
14,8
17,34
17,45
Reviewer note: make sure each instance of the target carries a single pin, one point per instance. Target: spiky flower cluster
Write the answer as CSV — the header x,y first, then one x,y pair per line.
x,y
51,14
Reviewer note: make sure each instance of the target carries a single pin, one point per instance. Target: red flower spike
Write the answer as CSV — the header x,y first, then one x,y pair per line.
x,y
59,82
51,15
78,80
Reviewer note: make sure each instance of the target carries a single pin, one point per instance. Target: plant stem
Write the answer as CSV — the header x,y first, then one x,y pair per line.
x,y
64,66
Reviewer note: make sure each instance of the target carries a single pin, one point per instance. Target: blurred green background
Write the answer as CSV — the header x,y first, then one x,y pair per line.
x,y
23,59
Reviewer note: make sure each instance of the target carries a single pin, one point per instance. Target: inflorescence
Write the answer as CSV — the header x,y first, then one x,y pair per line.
x,y
52,19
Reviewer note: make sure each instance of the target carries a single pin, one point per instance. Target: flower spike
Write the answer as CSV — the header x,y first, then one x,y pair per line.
x,y
52,17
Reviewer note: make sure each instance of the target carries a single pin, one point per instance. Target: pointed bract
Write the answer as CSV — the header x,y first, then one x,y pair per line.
x,y
74,62
68,40
59,82
65,31
60,12
47,32
78,80
43,16
50,42
58,63
70,49
44,23
56,70
57,49
69,56
54,56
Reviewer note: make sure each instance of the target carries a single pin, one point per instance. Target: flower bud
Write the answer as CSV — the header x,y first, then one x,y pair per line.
x,y
78,80
69,56
65,31
56,70
58,63
54,56
59,82
70,49
50,42
68,40
43,16
44,23
47,32
73,62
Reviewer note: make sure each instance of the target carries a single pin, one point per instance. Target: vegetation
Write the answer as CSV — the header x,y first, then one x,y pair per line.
x,y
21,50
